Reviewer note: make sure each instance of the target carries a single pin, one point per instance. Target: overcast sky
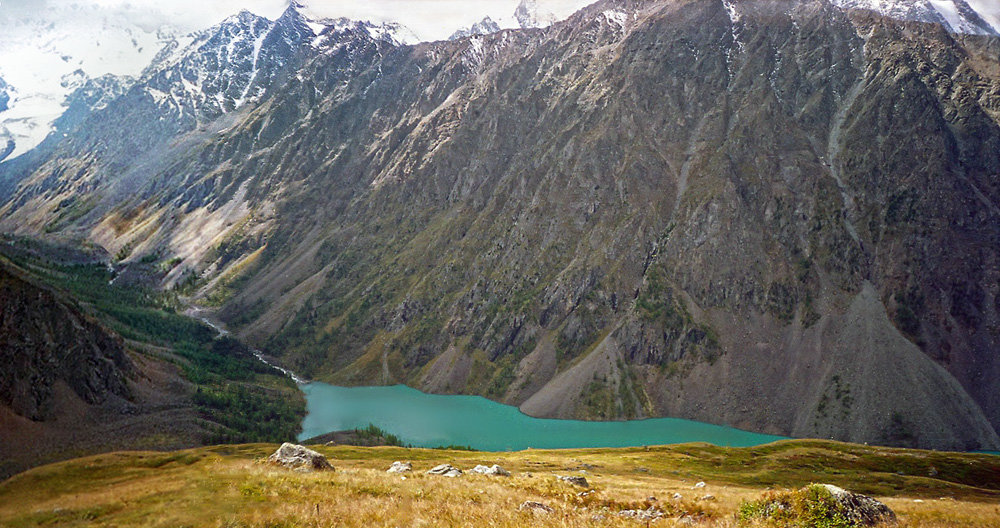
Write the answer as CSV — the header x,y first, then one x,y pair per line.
x,y
430,19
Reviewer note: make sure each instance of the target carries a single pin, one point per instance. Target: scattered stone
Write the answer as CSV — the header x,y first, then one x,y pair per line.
x,y
699,485
399,467
678,496
535,507
493,470
299,457
650,499
446,470
642,515
861,510
576,481
917,500
707,498
585,493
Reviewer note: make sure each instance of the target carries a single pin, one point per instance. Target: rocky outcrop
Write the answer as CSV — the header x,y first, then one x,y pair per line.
x,y
298,457
817,504
860,510
45,341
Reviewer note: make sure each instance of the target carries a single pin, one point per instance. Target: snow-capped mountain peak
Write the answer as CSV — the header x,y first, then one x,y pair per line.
x,y
980,17
529,15
483,27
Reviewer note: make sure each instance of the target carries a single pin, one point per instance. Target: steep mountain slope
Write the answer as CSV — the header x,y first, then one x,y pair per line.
x,y
193,90
43,342
773,214
69,386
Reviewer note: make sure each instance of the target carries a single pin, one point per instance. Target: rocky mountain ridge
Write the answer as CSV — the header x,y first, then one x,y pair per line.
x,y
775,215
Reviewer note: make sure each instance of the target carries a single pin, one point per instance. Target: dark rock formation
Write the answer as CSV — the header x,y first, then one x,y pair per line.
x,y
45,341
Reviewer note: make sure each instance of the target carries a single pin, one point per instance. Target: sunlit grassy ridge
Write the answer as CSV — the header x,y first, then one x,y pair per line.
x,y
231,486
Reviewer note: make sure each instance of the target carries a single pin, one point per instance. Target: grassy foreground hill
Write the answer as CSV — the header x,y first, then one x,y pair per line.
x,y
232,486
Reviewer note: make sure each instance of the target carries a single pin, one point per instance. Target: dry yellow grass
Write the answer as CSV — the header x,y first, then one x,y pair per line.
x,y
230,486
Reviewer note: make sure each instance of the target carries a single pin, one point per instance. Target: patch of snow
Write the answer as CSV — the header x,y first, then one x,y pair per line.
x,y
257,44
615,17
315,27
948,10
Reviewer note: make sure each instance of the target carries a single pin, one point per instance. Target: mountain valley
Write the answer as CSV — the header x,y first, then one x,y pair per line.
x,y
777,215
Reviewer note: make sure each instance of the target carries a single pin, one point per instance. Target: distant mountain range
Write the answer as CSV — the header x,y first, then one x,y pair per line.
x,y
781,215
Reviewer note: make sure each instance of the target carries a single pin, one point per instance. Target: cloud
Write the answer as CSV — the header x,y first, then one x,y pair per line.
x,y
430,19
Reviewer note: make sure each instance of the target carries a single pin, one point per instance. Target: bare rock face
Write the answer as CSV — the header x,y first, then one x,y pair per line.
x,y
298,457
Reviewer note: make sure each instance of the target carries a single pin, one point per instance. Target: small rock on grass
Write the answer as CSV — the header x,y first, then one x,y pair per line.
x,y
298,457
576,481
445,470
493,470
642,515
699,485
535,507
399,467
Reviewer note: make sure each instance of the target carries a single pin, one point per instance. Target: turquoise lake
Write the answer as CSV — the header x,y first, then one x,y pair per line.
x,y
429,420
